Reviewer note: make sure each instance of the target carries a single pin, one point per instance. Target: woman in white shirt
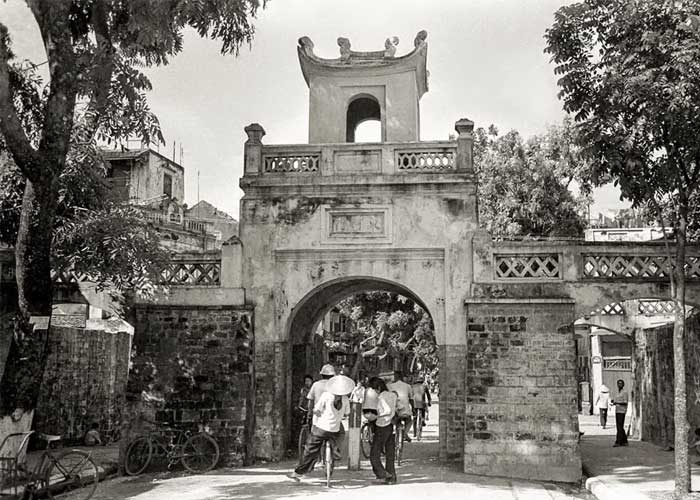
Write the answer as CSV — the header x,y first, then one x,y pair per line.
x,y
383,441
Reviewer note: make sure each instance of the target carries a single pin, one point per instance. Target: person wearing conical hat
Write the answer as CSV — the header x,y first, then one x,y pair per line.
x,y
329,410
602,402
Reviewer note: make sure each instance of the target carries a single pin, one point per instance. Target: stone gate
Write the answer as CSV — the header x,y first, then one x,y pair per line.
x,y
325,220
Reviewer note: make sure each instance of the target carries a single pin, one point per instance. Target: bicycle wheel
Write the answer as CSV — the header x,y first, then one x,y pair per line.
x,y
71,470
399,442
328,456
138,456
366,437
200,453
303,436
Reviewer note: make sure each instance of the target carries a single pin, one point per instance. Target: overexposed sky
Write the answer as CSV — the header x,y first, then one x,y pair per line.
x,y
485,59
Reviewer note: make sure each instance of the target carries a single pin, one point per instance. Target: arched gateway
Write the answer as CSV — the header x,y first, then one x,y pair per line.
x,y
324,220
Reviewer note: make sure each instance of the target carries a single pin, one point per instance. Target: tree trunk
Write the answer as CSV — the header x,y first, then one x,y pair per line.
x,y
680,411
24,368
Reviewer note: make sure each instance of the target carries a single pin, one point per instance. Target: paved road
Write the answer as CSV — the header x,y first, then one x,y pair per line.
x,y
420,476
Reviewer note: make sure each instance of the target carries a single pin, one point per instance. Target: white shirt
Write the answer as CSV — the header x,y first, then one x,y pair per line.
x,y
386,408
603,399
315,393
327,416
405,394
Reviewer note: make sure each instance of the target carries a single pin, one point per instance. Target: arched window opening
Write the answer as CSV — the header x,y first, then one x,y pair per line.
x,y
369,131
363,109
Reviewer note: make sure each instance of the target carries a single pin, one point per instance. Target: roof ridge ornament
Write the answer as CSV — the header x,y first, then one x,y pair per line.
x,y
390,46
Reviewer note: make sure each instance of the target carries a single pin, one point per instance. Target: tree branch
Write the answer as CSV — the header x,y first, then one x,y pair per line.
x,y
105,63
14,134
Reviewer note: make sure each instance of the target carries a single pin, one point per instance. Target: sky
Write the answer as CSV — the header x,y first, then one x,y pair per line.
x,y
485,59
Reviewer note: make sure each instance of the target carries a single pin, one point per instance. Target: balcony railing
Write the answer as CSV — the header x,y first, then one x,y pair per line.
x,y
338,159
578,261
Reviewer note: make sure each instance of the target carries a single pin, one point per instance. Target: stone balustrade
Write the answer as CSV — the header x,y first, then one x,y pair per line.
x,y
193,270
385,158
552,261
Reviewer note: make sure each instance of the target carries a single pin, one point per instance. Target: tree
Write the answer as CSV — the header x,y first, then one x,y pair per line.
x,y
524,186
629,74
95,50
386,324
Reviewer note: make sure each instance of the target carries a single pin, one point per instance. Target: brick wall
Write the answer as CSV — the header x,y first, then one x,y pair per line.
x,y
652,393
270,400
84,381
452,365
521,415
198,363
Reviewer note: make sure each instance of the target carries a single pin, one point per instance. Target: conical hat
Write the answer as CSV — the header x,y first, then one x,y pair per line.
x,y
340,385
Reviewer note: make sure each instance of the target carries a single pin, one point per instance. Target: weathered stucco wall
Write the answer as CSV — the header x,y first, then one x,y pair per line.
x,y
520,415
84,381
653,382
197,361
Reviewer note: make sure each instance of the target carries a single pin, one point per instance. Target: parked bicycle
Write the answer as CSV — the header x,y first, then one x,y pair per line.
x,y
198,452
55,472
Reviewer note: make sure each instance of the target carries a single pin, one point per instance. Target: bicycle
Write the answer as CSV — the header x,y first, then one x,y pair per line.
x,y
328,461
198,452
366,438
400,427
418,424
303,432
54,473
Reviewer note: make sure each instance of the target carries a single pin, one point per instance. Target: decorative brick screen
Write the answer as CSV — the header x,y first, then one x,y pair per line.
x,y
611,266
192,273
527,266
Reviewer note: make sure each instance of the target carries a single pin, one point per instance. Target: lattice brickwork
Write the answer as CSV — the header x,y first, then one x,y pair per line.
x,y
67,276
612,309
635,266
293,164
535,266
656,307
425,160
206,273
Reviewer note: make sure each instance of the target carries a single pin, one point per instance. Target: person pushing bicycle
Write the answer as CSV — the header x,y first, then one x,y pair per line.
x,y
328,411
420,401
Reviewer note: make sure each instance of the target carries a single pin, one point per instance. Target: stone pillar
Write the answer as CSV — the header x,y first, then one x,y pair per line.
x,y
253,149
521,417
354,424
232,263
465,145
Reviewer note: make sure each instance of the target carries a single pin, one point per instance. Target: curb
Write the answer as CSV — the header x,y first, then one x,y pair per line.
x,y
603,491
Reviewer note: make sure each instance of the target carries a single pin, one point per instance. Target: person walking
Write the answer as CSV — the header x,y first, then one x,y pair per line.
x,y
384,441
403,404
602,402
621,401
329,410
420,401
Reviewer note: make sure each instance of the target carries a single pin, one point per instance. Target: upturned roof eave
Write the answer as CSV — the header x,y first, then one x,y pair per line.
x,y
312,65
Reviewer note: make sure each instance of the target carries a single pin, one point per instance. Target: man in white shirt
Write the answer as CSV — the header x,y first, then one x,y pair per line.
x,y
620,402
318,388
329,410
403,405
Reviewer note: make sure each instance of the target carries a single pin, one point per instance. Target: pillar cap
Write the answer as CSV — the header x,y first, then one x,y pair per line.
x,y
464,126
255,133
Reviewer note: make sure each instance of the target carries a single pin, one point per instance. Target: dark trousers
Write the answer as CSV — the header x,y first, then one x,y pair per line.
x,y
313,446
383,442
621,437
603,416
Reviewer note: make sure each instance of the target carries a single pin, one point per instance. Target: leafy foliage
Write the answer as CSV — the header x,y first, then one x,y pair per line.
x,y
385,324
630,74
524,185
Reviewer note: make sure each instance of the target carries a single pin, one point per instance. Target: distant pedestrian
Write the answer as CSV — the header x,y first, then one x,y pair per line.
x,y
621,401
602,402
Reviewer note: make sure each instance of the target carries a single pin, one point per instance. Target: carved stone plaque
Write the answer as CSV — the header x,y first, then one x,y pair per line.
x,y
364,224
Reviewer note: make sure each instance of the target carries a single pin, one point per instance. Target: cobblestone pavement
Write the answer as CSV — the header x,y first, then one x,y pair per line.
x,y
420,476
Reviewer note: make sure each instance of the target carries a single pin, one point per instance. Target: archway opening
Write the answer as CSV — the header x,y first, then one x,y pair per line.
x,y
364,327
363,120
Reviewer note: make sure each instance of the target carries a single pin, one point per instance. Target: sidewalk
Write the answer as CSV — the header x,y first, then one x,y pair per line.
x,y
640,471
